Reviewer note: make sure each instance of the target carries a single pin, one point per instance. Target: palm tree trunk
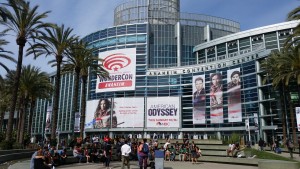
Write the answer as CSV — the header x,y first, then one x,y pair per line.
x,y
83,105
292,117
20,115
21,42
2,113
283,110
19,104
32,106
22,128
56,100
75,99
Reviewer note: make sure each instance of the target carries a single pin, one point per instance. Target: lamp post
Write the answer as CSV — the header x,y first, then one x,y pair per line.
x,y
248,128
57,137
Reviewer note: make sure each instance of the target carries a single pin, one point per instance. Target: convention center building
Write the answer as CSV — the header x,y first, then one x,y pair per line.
x,y
173,73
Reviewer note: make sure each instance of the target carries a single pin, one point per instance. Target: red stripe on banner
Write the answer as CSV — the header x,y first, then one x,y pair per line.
x,y
217,114
105,85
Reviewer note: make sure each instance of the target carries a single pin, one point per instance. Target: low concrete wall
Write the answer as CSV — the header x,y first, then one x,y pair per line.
x,y
277,164
196,141
14,155
3,152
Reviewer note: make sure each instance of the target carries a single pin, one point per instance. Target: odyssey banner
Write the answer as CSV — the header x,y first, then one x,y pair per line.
x,y
163,112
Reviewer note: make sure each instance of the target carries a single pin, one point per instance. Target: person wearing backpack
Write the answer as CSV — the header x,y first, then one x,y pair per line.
x,y
290,146
143,153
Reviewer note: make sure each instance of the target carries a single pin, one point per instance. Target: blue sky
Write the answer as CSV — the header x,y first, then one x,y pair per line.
x,y
87,16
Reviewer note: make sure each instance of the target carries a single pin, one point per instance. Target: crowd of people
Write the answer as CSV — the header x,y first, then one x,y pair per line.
x,y
126,150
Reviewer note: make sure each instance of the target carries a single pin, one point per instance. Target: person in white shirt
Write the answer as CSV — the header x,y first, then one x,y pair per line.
x,y
125,150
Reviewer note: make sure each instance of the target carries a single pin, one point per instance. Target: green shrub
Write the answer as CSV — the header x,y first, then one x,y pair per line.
x,y
6,145
234,138
17,146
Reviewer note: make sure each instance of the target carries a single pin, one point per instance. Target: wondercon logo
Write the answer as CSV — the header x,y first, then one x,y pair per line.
x,y
116,61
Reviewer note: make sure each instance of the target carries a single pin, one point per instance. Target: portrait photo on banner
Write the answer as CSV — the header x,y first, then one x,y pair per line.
x,y
234,95
216,98
104,116
199,99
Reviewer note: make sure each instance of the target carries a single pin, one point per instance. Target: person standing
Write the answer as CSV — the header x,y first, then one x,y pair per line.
x,y
125,150
261,144
107,154
290,146
142,150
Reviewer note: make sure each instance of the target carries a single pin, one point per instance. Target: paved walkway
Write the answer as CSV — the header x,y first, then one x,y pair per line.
x,y
134,165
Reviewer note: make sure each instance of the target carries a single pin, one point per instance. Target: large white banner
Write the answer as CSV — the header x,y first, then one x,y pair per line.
x,y
199,99
163,112
48,118
121,66
99,114
298,117
77,122
89,116
216,98
234,95
129,112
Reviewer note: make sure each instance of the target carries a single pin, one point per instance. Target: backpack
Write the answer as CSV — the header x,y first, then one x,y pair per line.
x,y
290,145
145,149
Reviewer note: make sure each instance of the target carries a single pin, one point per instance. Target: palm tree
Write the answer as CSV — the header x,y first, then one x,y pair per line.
x,y
4,54
284,69
55,42
27,23
3,13
271,68
80,60
33,84
4,99
293,38
40,88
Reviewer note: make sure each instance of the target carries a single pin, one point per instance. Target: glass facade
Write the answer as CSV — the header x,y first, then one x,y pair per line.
x,y
171,49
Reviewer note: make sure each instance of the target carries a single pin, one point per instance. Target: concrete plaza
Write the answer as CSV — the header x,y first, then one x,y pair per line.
x,y
134,165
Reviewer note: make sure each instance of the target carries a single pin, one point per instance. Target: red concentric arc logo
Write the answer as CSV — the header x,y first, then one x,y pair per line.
x,y
116,61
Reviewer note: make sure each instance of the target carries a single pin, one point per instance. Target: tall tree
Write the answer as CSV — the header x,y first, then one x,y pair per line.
x,y
4,99
294,37
33,83
27,23
273,71
80,60
41,88
4,54
284,68
55,42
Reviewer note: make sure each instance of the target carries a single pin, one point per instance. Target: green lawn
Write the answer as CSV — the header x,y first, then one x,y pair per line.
x,y
267,155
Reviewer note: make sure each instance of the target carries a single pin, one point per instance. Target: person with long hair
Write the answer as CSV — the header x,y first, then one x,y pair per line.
x,y
216,98
216,94
103,115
